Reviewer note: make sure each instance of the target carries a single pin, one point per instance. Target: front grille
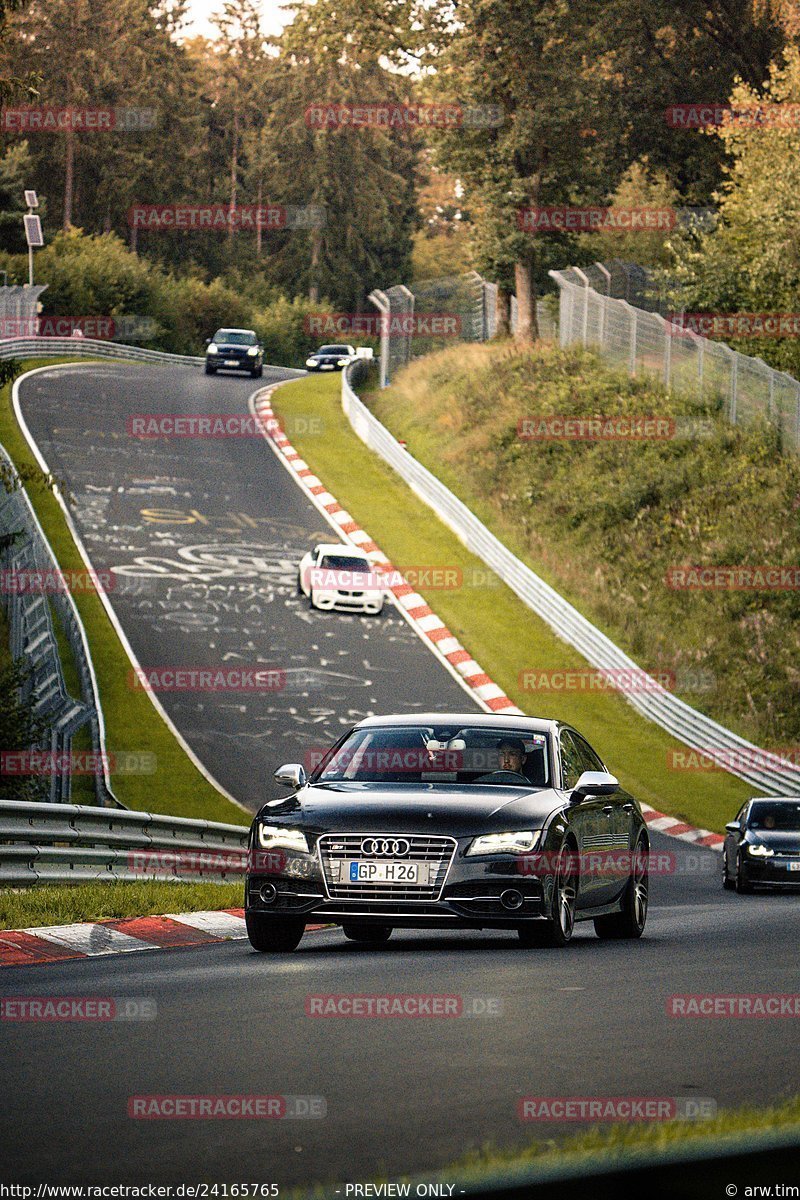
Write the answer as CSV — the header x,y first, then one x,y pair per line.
x,y
341,848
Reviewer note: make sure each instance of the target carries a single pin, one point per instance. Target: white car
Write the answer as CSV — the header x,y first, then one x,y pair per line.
x,y
333,575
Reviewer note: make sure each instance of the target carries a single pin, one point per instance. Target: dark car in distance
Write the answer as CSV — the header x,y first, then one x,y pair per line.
x,y
235,350
762,845
331,358
442,821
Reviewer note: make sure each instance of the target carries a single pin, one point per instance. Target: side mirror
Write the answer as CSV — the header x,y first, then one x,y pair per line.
x,y
594,783
208,341
733,827
291,775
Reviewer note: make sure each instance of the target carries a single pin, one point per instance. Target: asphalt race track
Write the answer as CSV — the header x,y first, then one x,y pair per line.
x,y
204,536
401,1095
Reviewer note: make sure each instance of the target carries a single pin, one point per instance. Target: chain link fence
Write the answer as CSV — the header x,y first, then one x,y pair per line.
x,y
645,342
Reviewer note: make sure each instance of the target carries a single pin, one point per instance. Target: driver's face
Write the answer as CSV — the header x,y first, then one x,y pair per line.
x,y
510,759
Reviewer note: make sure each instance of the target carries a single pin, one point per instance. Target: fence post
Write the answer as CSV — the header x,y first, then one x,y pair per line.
x,y
381,302
734,386
632,362
667,352
701,347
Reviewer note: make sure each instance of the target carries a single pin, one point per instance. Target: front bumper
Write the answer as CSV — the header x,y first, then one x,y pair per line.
x,y
367,602
772,872
470,897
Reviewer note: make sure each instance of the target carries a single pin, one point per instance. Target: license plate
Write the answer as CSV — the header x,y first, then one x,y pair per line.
x,y
793,866
230,362
387,872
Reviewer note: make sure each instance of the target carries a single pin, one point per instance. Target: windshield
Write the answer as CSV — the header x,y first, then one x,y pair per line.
x,y
425,754
343,562
766,815
334,350
233,337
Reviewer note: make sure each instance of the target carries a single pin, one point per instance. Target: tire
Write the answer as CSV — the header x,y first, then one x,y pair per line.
x,y
260,373
210,370
727,882
557,928
273,935
630,922
743,886
311,603
366,933
299,585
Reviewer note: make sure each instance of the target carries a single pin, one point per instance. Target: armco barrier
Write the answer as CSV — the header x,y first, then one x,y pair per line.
x,y
768,773
72,843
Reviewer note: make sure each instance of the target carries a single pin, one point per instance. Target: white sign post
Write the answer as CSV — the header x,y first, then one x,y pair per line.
x,y
33,230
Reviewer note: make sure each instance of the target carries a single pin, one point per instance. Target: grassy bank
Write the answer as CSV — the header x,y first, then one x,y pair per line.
x,y
605,522
32,907
492,622
132,723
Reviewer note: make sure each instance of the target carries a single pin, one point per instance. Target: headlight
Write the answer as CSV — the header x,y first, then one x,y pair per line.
x,y
212,349
505,843
273,837
253,351
758,850
343,362
311,362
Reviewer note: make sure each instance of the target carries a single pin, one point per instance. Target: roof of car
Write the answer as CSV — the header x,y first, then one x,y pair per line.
x,y
232,329
489,720
777,799
340,548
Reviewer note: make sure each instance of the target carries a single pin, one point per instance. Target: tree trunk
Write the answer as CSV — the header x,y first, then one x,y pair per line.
x,y
527,329
316,255
258,216
69,175
134,239
503,313
234,170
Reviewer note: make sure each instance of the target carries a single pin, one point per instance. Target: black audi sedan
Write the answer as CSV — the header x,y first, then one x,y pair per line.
x,y
235,350
762,845
449,821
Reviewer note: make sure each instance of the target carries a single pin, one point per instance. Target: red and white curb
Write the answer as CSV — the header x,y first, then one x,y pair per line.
x,y
414,607
419,614
95,939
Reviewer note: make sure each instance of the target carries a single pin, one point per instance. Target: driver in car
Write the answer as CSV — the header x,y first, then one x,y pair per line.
x,y
511,755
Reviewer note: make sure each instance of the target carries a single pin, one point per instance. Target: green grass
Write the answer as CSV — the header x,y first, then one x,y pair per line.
x,y
605,522
610,1142
59,905
176,788
502,633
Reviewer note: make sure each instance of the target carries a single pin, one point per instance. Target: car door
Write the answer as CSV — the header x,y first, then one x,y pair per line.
x,y
584,819
734,840
616,828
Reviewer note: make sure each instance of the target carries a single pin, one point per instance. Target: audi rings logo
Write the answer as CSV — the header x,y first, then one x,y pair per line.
x,y
385,847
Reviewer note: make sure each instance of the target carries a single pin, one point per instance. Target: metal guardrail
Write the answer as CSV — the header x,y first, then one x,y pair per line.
x,y
32,637
58,843
47,347
767,772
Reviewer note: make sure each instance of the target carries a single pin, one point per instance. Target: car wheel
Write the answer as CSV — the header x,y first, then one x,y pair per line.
x,y
299,584
367,933
630,922
311,603
743,885
210,370
558,926
260,373
273,934
727,882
